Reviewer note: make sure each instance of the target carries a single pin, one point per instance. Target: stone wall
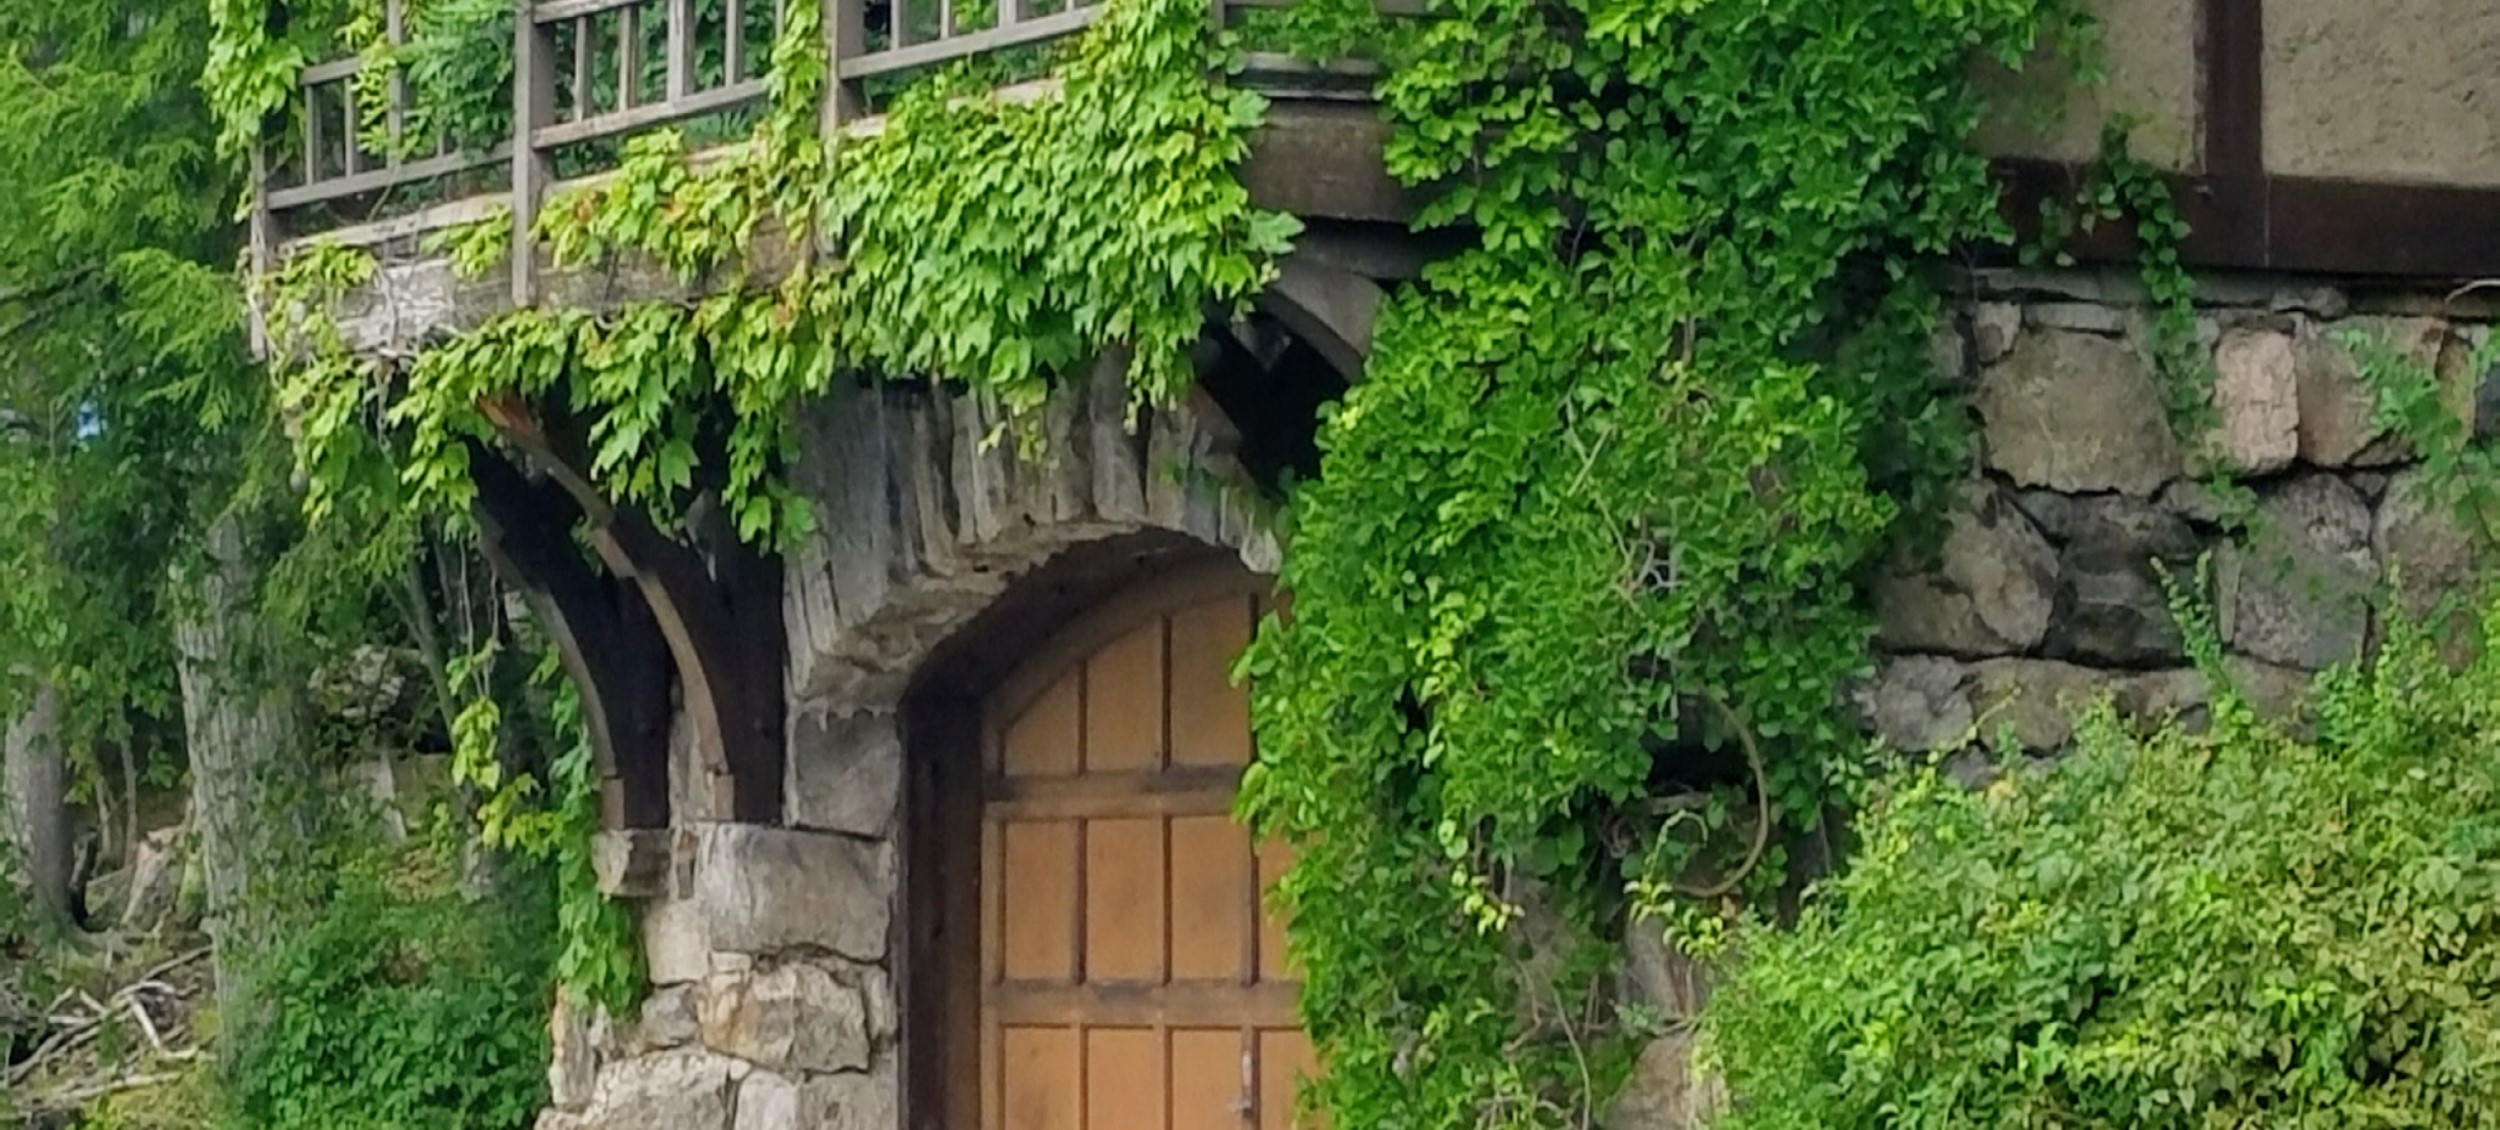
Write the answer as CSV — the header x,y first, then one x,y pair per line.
x,y
2043,593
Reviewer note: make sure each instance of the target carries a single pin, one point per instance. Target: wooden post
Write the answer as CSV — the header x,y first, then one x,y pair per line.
x,y
395,115
264,237
580,81
681,74
846,37
352,158
316,132
533,107
628,56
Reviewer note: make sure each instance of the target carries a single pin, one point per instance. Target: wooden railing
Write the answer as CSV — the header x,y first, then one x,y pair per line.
x,y
585,75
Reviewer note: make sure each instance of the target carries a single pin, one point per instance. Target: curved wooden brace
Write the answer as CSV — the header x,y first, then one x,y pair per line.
x,y
721,622
603,634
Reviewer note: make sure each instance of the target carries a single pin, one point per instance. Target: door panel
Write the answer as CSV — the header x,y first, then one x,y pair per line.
x,y
1134,981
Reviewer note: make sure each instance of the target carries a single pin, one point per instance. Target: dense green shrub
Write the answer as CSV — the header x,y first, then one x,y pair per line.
x,y
2239,927
403,1005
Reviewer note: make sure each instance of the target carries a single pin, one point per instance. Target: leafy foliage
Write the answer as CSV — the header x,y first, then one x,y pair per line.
x,y
2044,952
597,954
2121,186
1597,510
401,1005
126,397
2413,403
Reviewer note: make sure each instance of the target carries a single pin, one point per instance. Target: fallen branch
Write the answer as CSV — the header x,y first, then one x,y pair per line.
x,y
80,1096
175,963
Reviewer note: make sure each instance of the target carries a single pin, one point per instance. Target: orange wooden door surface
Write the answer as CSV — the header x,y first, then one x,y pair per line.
x,y
1130,980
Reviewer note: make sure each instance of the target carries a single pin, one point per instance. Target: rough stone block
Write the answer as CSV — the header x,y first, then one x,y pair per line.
x,y
2424,542
2196,502
668,1018
631,863
846,772
675,946
1918,703
1990,594
2257,402
2298,594
1948,353
1667,1090
573,1063
2111,609
681,1090
762,890
2336,410
769,1102
2077,412
2041,698
853,1100
1995,326
791,1018
2111,523
2082,317
2280,693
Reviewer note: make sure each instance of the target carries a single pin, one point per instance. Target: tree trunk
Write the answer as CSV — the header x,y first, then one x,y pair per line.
x,y
37,791
130,801
250,796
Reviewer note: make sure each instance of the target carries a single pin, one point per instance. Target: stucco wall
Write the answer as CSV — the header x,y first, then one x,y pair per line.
x,y
2384,89
2148,52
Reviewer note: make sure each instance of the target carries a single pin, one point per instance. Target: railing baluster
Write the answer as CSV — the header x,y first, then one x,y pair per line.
x,y
264,236
846,37
313,132
946,19
395,110
581,67
680,49
734,52
628,55
352,155
900,13
1013,12
533,106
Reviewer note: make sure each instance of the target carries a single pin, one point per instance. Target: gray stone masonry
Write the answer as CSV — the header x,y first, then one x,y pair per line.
x,y
2047,590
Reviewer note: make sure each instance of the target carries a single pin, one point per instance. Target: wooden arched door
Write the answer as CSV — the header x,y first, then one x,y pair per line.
x,y
1129,979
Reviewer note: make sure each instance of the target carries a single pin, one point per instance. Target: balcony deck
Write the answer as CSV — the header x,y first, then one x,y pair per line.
x,y
585,81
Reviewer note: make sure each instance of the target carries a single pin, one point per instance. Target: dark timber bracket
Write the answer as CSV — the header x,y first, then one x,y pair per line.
x,y
721,619
603,633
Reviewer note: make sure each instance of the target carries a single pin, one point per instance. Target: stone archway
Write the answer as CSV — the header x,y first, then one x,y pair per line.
x,y
775,950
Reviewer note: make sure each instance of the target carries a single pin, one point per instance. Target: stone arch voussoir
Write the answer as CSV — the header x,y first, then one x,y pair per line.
x,y
927,512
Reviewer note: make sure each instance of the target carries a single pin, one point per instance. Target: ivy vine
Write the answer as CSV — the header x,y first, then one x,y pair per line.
x,y
1594,522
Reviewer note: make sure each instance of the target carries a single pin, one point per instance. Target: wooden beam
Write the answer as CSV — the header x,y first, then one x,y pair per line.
x,y
606,640
2296,224
2235,185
